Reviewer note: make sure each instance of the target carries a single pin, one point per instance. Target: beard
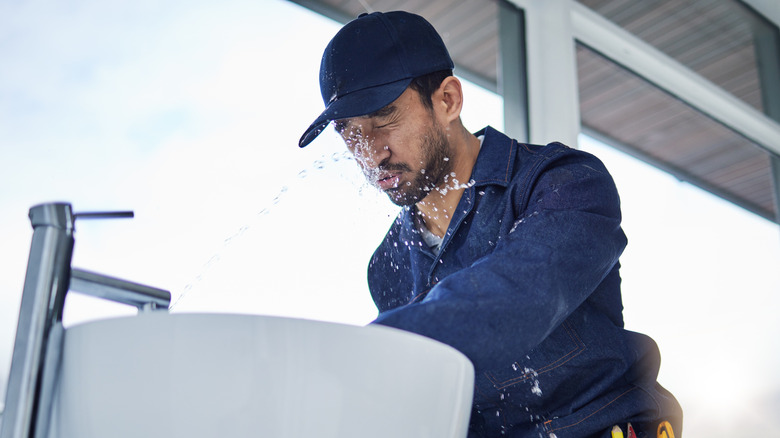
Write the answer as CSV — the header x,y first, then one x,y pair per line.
x,y
436,162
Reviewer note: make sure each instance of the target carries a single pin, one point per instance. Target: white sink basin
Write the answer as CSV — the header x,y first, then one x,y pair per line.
x,y
203,375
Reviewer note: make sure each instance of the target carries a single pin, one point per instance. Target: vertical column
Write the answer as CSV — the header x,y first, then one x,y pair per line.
x,y
512,75
776,179
553,101
767,43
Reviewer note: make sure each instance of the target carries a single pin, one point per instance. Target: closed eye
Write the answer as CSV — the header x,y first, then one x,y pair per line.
x,y
339,125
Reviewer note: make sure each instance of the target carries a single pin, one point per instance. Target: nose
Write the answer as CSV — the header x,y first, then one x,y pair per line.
x,y
370,152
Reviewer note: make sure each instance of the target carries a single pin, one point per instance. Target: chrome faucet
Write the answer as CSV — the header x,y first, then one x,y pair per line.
x,y
39,334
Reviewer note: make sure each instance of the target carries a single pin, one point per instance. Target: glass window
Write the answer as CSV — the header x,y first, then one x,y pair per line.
x,y
715,38
628,112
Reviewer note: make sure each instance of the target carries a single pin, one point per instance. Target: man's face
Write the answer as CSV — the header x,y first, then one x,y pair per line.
x,y
401,149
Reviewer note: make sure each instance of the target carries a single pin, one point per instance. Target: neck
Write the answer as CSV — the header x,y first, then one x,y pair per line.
x,y
438,207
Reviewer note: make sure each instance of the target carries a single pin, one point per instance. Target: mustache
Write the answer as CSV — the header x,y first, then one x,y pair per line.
x,y
393,167
383,170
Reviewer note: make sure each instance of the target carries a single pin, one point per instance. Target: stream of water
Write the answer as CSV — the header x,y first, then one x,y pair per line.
x,y
324,163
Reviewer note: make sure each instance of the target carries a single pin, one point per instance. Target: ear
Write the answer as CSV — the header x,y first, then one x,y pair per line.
x,y
449,99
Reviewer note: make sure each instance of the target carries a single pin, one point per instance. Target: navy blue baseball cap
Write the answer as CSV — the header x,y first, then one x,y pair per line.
x,y
371,61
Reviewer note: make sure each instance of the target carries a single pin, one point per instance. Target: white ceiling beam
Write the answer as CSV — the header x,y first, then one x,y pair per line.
x,y
669,75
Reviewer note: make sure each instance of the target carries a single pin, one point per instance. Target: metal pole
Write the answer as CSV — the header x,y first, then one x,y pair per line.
x,y
120,291
46,282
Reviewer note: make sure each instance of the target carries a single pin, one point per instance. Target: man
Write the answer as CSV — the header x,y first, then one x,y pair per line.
x,y
506,251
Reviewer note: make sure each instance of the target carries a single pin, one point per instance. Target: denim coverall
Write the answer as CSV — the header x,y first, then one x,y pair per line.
x,y
526,285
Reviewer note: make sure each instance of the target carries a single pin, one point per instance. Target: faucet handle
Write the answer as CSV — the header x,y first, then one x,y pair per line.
x,y
104,214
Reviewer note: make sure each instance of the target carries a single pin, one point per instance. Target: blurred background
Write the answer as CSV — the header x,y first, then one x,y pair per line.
x,y
189,113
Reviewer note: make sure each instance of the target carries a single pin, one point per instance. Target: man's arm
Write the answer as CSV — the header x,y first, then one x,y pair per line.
x,y
565,240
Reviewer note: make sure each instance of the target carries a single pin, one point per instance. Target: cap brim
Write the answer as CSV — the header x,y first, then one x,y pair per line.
x,y
357,103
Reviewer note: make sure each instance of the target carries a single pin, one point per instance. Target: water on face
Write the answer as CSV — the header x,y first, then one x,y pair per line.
x,y
344,165
434,175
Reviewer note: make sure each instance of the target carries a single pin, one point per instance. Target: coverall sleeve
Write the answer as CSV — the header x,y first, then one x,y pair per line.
x,y
565,239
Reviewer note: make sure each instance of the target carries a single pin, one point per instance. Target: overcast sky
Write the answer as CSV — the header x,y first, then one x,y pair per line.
x,y
189,114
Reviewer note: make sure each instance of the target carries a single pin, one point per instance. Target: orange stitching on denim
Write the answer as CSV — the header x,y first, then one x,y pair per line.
x,y
547,367
542,370
414,298
509,161
594,412
576,351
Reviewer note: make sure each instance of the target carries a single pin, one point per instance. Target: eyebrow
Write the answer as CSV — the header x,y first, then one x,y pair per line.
x,y
387,111
383,112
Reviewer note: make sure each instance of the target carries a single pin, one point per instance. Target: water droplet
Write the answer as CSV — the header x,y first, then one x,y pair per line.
x,y
515,225
535,389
